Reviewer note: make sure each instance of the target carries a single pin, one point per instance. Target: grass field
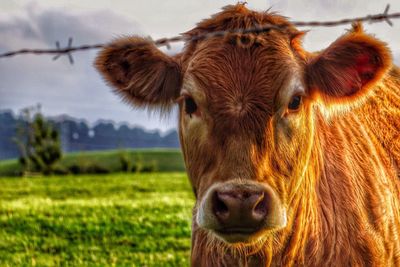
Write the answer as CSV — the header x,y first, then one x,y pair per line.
x,y
109,220
166,160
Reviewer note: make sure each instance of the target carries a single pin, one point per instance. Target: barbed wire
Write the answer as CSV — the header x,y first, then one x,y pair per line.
x,y
58,51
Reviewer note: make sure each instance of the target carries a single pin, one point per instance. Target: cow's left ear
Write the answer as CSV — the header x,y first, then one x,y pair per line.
x,y
344,72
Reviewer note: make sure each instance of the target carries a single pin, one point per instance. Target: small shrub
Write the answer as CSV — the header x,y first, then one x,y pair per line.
x,y
88,168
134,168
150,167
138,163
97,169
75,168
39,143
127,165
60,170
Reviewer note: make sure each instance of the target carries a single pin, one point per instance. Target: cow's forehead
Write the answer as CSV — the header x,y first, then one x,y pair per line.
x,y
238,66
227,72
241,87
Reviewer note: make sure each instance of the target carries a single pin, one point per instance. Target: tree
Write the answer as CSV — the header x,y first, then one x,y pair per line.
x,y
38,142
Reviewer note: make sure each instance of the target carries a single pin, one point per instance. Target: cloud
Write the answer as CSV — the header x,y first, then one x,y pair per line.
x,y
77,89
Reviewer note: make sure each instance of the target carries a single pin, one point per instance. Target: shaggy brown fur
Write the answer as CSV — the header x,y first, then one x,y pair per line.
x,y
334,162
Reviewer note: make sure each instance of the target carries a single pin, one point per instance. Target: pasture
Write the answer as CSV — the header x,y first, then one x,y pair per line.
x,y
164,159
96,220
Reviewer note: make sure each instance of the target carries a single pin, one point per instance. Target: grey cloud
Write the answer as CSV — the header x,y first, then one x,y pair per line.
x,y
19,27
77,89
50,25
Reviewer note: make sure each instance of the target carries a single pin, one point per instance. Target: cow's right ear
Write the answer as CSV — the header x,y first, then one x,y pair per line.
x,y
140,72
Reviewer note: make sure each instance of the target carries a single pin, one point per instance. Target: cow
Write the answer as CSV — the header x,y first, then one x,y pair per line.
x,y
293,156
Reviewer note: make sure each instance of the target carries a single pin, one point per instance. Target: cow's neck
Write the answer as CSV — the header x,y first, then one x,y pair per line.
x,y
297,240
353,213
346,213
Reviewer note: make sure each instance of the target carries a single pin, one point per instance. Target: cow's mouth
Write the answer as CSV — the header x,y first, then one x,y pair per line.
x,y
237,231
238,235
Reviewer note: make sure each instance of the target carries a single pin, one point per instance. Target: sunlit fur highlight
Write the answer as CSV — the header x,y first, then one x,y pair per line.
x,y
315,235
335,163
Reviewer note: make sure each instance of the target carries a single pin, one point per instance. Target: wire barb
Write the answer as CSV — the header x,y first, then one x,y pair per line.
x,y
66,51
385,15
69,49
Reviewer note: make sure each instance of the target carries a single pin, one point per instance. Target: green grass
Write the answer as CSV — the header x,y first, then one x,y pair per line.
x,y
166,160
108,220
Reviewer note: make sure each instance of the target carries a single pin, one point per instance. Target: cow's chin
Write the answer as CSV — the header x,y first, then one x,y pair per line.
x,y
237,237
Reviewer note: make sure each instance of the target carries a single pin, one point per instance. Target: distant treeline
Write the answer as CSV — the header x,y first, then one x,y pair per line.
x,y
77,135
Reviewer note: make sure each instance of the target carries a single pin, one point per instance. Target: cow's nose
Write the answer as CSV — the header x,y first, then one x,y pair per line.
x,y
240,210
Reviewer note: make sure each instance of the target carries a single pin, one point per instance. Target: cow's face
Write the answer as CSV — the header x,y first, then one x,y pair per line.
x,y
247,115
245,132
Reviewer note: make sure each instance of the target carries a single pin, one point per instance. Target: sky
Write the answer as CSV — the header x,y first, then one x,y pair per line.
x,y
79,91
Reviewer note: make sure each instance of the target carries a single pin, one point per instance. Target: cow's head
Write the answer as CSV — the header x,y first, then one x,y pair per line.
x,y
247,104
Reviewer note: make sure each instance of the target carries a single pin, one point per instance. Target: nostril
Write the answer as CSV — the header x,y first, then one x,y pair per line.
x,y
260,208
220,207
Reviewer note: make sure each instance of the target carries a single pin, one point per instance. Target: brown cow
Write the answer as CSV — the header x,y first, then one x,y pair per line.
x,y
294,157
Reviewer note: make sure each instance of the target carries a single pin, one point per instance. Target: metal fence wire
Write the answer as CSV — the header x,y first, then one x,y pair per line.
x,y
385,16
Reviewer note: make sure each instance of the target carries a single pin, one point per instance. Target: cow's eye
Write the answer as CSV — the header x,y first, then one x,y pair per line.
x,y
190,105
294,103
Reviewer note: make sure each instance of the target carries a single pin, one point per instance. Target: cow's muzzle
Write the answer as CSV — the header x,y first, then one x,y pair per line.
x,y
241,211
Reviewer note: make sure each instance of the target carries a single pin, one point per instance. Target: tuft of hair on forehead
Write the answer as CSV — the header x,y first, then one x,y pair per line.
x,y
233,17
356,27
238,17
